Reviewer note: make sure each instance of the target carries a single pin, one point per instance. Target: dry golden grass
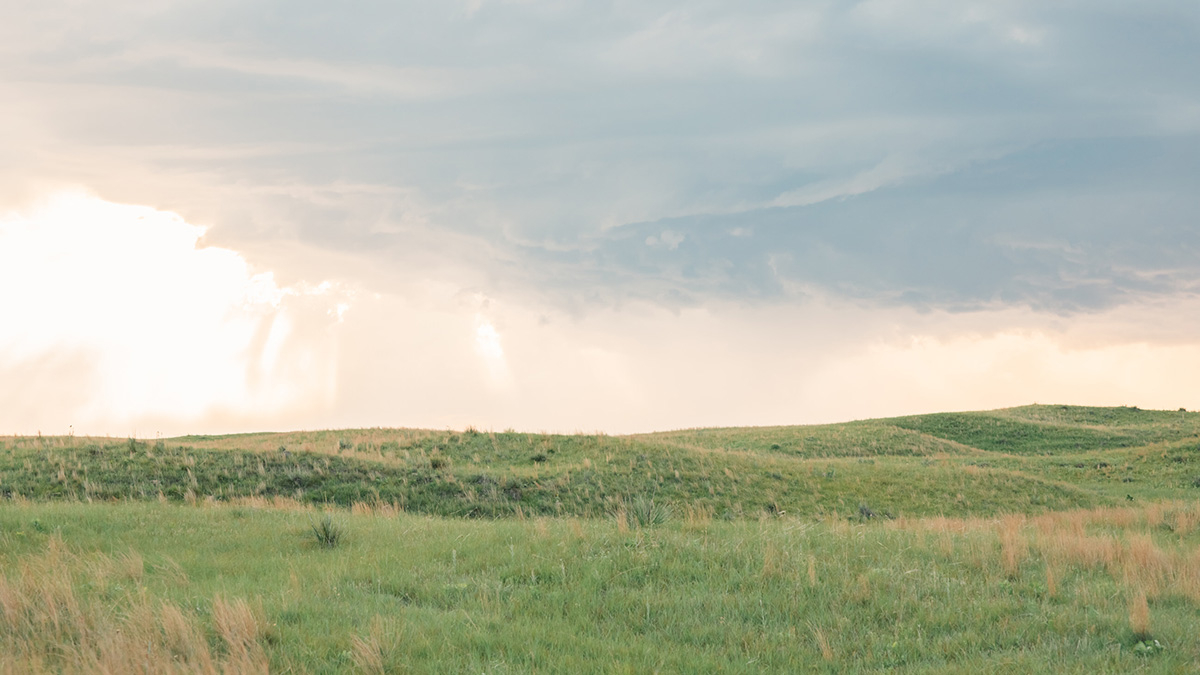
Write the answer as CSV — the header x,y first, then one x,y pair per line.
x,y
369,652
1144,565
1185,576
1184,520
822,643
1119,541
1013,546
861,592
50,626
622,519
368,655
1154,515
1139,615
576,528
184,639
943,524
240,629
697,516
378,509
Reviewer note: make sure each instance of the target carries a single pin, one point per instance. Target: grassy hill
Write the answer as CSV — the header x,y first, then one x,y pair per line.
x,y
1033,539
1028,459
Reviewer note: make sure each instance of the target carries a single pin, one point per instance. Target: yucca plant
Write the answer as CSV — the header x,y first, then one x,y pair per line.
x,y
328,533
646,512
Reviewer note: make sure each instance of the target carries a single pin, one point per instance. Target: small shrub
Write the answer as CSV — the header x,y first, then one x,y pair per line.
x,y
328,533
539,458
1148,647
645,512
344,444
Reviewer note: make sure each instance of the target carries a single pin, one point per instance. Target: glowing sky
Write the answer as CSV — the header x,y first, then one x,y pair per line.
x,y
553,215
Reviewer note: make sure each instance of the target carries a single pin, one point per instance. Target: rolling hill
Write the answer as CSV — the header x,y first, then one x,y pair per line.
x,y
1028,459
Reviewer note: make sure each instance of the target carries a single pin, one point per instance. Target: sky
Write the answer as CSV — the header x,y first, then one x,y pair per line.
x,y
551,215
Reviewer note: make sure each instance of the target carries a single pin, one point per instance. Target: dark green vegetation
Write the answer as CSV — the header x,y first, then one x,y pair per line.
x,y
1044,430
1027,459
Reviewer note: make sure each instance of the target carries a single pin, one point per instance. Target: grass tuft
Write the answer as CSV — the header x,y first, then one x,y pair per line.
x,y
647,513
328,533
1139,616
822,643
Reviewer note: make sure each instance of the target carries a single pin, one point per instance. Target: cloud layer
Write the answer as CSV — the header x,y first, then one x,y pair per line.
x,y
953,154
1027,161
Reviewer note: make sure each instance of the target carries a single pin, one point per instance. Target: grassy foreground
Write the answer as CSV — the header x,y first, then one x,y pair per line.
x,y
147,587
1023,540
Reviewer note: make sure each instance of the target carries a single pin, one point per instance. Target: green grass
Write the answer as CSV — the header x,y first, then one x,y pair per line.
x,y
582,476
1039,430
1029,459
561,595
777,549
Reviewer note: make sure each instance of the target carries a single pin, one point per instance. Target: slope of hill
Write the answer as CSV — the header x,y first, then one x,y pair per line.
x,y
1028,459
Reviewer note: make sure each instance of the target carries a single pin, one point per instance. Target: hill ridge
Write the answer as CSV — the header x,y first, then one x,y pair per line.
x,y
971,463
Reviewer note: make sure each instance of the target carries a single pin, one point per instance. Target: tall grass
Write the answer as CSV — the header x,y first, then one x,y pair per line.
x,y
241,588
89,613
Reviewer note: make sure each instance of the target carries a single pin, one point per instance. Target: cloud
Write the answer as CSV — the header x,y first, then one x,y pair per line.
x,y
129,326
1062,227
592,165
119,316
642,367
475,142
890,171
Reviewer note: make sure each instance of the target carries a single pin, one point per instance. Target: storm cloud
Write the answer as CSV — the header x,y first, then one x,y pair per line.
x,y
575,178
933,154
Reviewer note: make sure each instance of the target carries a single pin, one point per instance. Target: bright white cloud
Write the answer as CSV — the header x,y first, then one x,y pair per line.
x,y
643,368
487,346
161,327
123,322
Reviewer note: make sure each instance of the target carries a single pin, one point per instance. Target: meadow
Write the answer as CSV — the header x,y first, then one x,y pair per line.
x,y
1020,540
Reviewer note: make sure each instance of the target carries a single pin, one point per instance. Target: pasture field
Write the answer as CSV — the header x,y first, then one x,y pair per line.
x,y
1020,540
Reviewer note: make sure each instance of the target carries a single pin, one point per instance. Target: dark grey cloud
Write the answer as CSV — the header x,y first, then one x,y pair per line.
x,y
1063,226
934,154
